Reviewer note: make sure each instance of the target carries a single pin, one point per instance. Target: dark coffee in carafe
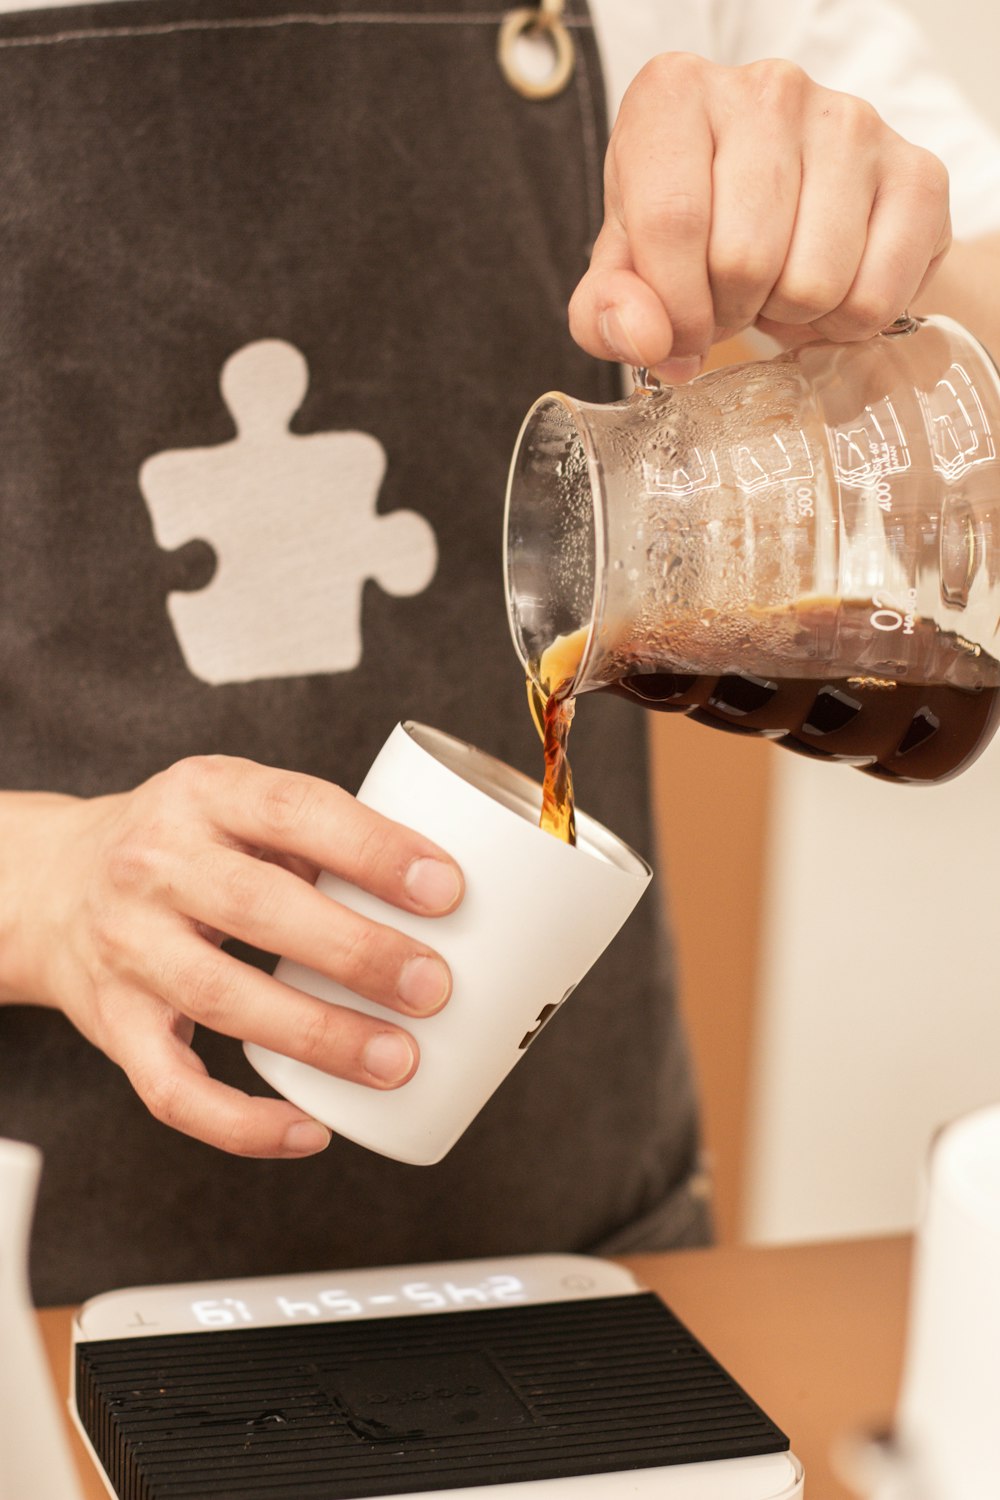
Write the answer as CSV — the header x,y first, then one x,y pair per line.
x,y
894,727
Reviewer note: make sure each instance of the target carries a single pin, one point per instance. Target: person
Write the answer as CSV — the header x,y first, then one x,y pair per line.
x,y
217,601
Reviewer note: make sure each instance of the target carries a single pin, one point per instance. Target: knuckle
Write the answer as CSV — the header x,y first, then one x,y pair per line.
x,y
668,72
692,337
186,778
162,1095
135,861
359,956
742,275
671,216
776,81
934,175
235,1139
803,298
285,803
377,848
866,313
241,892
197,986
927,177
855,120
322,1036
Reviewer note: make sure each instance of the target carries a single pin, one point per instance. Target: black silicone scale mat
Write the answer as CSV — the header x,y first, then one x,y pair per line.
x,y
397,1405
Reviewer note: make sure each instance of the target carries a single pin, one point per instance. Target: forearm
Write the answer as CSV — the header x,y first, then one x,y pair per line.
x,y
966,287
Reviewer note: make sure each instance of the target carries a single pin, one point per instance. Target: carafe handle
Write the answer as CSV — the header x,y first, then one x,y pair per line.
x,y
646,381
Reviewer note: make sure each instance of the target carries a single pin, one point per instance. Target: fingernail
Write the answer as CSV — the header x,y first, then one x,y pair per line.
x,y
615,333
306,1137
432,884
388,1057
678,371
424,983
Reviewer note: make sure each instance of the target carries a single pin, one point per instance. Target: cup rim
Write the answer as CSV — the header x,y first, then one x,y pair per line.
x,y
522,795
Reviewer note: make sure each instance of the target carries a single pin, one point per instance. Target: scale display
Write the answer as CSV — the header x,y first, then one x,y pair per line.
x,y
331,1296
337,1301
539,1378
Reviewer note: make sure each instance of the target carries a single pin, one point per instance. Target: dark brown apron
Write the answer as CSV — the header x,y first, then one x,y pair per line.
x,y
360,196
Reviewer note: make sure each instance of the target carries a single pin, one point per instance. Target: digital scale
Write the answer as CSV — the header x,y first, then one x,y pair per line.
x,y
548,1376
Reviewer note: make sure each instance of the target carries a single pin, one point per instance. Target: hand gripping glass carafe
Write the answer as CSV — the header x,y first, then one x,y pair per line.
x,y
805,548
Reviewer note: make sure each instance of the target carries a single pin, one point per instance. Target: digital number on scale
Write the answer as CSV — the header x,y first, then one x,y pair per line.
x,y
412,1296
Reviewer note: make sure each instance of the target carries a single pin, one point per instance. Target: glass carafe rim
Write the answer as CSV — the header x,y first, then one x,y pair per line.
x,y
576,414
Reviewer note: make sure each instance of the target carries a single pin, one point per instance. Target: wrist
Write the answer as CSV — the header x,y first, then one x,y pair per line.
x,y
36,838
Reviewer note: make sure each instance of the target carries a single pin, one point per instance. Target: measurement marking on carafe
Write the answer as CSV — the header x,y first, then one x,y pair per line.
x,y
890,614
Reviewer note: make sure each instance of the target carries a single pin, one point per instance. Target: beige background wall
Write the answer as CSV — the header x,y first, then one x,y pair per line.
x,y
879,986
839,939
965,35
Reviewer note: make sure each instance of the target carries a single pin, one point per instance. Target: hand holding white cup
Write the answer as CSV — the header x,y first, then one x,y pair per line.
x,y
537,914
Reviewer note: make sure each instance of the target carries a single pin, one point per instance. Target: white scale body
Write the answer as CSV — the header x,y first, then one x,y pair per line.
x,y
363,1297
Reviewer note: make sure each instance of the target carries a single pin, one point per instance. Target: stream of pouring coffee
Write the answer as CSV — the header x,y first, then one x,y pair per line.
x,y
552,708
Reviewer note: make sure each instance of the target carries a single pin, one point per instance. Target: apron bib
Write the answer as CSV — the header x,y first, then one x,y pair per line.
x,y
279,288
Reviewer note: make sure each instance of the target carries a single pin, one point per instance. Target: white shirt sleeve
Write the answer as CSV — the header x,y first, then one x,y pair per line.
x,y
870,48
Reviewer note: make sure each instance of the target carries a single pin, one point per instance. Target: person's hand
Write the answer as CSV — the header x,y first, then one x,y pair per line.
x,y
130,896
750,196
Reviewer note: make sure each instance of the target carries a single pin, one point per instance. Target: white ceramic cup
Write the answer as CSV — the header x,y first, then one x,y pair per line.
x,y
35,1458
536,915
949,1410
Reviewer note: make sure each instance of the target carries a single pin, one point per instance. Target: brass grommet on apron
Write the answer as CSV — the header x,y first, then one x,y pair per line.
x,y
545,20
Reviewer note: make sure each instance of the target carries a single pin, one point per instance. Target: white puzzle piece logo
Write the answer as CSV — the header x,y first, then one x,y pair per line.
x,y
293,524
